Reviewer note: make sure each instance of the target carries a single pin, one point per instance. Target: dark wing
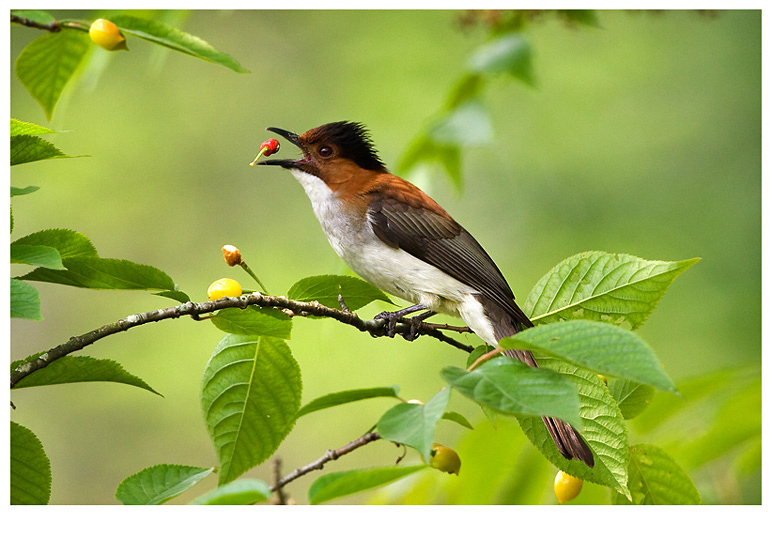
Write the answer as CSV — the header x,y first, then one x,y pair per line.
x,y
445,244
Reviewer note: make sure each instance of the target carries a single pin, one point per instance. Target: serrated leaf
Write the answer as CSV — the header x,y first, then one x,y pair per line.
x,y
603,430
655,478
16,191
413,425
30,468
104,274
605,348
338,484
46,65
173,38
508,53
632,397
250,395
345,397
239,492
67,242
510,387
25,301
71,369
36,255
19,127
326,288
604,287
27,149
254,321
160,483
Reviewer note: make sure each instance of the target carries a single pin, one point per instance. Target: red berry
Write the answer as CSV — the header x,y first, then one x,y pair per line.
x,y
271,146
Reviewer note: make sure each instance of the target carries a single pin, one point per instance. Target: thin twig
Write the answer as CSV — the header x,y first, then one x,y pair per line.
x,y
331,454
51,27
281,498
374,327
485,357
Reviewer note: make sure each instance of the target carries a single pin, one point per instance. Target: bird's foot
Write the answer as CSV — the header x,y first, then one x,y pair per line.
x,y
393,317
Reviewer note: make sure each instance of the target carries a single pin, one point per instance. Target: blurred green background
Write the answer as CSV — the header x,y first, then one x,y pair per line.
x,y
642,136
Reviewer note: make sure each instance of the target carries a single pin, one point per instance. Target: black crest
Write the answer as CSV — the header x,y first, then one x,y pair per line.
x,y
352,141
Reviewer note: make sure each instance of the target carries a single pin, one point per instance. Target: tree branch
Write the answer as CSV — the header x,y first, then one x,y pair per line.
x,y
375,327
331,454
51,27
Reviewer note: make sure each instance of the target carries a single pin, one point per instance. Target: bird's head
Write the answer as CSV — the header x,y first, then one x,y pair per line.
x,y
331,151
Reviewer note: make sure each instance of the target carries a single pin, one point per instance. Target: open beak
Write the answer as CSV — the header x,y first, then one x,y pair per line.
x,y
291,137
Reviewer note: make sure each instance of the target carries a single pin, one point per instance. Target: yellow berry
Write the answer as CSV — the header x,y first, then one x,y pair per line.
x,y
224,288
567,487
105,34
444,459
232,255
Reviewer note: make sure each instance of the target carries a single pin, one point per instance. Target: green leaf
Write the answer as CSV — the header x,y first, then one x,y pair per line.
x,y
457,418
25,301
344,397
239,492
326,288
19,127
632,397
655,478
510,387
38,16
160,483
413,425
36,255
16,191
475,354
254,321
468,124
104,274
250,395
601,286
46,65
605,348
335,485
30,468
468,88
173,38
70,369
67,242
509,53
604,430
27,149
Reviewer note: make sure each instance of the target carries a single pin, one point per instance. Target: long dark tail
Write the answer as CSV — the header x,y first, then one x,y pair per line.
x,y
508,321
566,438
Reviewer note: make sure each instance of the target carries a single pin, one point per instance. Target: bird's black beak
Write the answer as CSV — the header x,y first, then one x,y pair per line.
x,y
291,137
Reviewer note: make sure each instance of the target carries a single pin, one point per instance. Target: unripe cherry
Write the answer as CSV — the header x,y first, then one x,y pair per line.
x,y
567,487
224,288
445,459
105,34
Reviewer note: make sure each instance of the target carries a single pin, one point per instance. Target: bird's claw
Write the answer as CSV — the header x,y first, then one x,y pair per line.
x,y
391,319
414,322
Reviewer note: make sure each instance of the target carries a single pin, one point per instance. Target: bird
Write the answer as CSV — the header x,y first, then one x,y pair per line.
x,y
393,235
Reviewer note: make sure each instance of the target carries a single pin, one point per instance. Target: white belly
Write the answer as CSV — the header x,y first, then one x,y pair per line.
x,y
392,270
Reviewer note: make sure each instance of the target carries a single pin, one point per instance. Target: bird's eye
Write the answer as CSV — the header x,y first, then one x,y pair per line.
x,y
325,151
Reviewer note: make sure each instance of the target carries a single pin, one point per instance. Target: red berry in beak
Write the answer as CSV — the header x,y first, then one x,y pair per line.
x,y
269,147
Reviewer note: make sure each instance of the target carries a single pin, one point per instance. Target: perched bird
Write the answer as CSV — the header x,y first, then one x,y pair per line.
x,y
396,237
